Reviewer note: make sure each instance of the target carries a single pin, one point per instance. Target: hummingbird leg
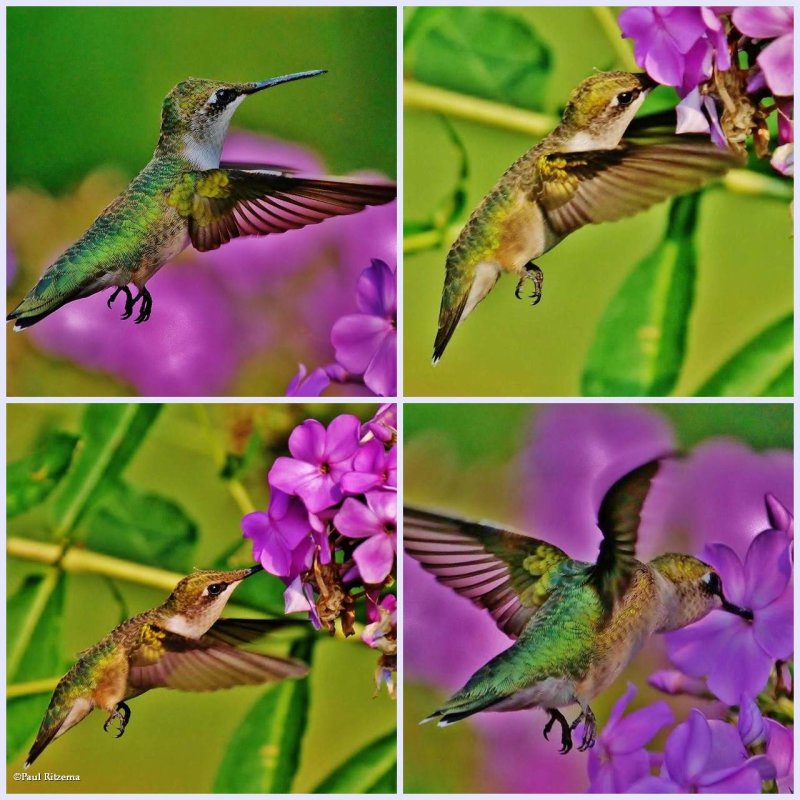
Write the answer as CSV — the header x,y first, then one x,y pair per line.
x,y
589,727
146,306
128,300
121,714
566,734
535,274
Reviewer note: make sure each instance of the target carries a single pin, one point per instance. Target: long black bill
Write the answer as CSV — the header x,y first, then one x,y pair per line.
x,y
253,570
738,610
252,88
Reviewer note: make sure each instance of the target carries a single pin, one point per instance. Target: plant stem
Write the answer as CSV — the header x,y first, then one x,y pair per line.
x,y
41,686
415,242
608,23
424,97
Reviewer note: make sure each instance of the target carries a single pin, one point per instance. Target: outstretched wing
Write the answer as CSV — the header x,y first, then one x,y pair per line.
x,y
606,185
222,204
211,662
618,519
508,574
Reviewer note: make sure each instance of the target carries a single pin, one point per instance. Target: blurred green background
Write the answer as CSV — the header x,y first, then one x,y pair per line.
x,y
85,85
465,458
176,740
744,266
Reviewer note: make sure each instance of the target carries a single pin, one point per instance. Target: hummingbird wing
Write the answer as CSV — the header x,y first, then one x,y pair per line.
x,y
508,574
211,662
222,204
606,185
618,519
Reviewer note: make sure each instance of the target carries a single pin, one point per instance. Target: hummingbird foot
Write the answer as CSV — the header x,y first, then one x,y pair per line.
x,y
121,714
589,728
128,300
146,306
566,733
532,273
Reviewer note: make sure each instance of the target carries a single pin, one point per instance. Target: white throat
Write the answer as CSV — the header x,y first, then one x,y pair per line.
x,y
607,138
203,150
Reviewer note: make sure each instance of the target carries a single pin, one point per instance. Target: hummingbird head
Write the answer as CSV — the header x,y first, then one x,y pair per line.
x,y
196,114
601,108
697,590
198,600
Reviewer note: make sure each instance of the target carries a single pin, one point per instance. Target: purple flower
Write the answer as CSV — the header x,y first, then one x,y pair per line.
x,y
677,46
319,459
376,523
305,385
706,756
366,343
750,723
619,759
780,751
737,655
672,682
373,467
383,426
299,597
383,627
777,58
281,536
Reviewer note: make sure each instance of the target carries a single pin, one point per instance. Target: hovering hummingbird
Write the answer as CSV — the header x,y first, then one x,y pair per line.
x,y
586,171
182,644
186,195
576,625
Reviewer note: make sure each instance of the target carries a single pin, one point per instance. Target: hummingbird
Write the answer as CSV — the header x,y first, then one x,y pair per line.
x,y
586,171
182,644
185,195
576,625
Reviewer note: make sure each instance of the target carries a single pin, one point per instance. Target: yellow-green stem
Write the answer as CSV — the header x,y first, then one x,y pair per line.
x,y
41,686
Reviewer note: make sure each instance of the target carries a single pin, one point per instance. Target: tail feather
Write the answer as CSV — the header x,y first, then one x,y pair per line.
x,y
61,715
455,710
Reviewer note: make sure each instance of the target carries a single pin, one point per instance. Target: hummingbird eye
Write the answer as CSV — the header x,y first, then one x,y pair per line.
x,y
626,98
216,589
224,96
713,582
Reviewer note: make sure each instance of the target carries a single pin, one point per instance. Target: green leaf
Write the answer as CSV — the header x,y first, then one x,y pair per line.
x,y
640,342
110,435
143,527
764,367
33,634
486,52
264,752
30,481
371,770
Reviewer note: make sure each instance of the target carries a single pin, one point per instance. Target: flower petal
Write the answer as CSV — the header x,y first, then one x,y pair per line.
x,y
287,474
773,626
742,668
375,558
307,441
638,728
767,568
687,749
381,374
356,521
731,571
356,339
342,438
777,61
763,22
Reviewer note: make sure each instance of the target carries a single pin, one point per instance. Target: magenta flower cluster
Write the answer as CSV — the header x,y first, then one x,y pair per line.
x,y
365,343
700,51
330,531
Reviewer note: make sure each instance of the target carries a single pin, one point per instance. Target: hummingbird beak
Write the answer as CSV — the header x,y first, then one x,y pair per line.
x,y
253,570
733,609
252,88
646,82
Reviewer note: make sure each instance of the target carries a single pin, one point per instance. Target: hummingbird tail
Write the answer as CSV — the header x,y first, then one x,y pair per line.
x,y
32,310
61,715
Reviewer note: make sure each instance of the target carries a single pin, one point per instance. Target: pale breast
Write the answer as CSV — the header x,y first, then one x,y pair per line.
x,y
526,235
